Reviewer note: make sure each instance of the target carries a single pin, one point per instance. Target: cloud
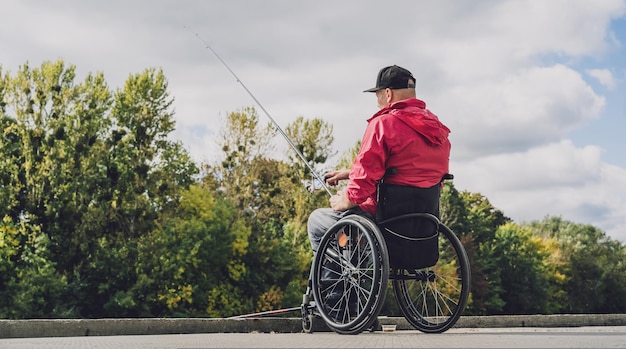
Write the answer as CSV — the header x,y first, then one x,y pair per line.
x,y
520,110
557,179
540,168
603,76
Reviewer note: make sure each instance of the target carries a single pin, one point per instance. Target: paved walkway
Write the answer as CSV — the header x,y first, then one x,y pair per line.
x,y
156,326
578,337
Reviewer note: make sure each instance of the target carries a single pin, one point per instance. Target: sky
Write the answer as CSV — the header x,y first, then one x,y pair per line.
x,y
533,91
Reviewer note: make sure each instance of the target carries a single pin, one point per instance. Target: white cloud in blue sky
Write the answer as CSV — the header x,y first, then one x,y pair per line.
x,y
604,77
532,90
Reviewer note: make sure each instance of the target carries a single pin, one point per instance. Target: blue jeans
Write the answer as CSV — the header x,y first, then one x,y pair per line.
x,y
322,219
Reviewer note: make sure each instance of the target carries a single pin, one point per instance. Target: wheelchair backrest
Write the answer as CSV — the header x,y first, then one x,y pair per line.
x,y
408,217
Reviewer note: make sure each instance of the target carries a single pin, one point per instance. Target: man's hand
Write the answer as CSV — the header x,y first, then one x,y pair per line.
x,y
340,202
333,177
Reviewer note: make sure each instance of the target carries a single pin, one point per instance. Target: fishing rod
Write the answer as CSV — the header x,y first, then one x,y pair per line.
x,y
312,186
263,313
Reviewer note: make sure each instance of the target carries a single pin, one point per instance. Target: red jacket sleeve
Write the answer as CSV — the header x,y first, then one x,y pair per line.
x,y
369,166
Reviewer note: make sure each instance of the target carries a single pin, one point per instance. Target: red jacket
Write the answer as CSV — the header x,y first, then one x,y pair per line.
x,y
406,136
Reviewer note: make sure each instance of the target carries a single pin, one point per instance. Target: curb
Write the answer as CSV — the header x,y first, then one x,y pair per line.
x,y
156,326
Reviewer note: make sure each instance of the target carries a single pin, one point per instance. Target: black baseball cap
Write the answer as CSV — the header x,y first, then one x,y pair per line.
x,y
393,77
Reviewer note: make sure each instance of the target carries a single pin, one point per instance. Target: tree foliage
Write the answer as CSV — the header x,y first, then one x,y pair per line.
x,y
91,169
269,196
313,139
194,251
30,285
590,267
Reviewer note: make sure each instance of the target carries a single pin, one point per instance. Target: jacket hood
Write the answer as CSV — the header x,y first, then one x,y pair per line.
x,y
413,113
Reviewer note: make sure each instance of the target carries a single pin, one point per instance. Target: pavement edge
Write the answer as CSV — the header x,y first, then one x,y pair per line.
x,y
154,326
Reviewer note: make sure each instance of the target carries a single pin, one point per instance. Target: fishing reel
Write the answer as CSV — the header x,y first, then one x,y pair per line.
x,y
313,185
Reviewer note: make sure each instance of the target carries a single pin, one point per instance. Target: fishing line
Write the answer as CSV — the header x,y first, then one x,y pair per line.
x,y
320,180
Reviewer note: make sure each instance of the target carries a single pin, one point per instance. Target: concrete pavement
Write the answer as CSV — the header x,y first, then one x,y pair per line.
x,y
161,326
515,337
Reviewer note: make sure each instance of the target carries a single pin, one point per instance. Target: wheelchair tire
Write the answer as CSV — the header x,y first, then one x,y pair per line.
x,y
432,299
350,274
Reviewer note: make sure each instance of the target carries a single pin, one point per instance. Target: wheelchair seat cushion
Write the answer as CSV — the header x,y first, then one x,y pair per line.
x,y
412,242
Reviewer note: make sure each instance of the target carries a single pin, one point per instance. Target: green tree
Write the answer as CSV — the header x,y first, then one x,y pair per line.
x,y
11,173
29,283
91,170
483,218
520,256
593,266
10,153
55,172
149,168
255,186
270,197
477,221
242,140
143,174
556,273
189,265
453,210
314,139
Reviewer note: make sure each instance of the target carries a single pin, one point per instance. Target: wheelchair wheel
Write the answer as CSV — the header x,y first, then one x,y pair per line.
x,y
432,299
350,274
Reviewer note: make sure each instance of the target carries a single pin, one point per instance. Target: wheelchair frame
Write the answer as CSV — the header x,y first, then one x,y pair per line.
x,y
354,258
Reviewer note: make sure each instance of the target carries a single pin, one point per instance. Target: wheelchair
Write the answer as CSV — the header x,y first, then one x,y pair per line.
x,y
357,257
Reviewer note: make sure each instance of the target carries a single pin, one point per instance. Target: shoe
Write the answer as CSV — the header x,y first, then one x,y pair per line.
x,y
336,302
353,303
332,285
334,310
330,278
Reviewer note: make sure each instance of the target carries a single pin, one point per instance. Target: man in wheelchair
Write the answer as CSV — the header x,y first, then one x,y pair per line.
x,y
405,150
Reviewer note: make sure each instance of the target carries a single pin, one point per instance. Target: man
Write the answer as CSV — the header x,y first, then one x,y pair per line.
x,y
404,143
